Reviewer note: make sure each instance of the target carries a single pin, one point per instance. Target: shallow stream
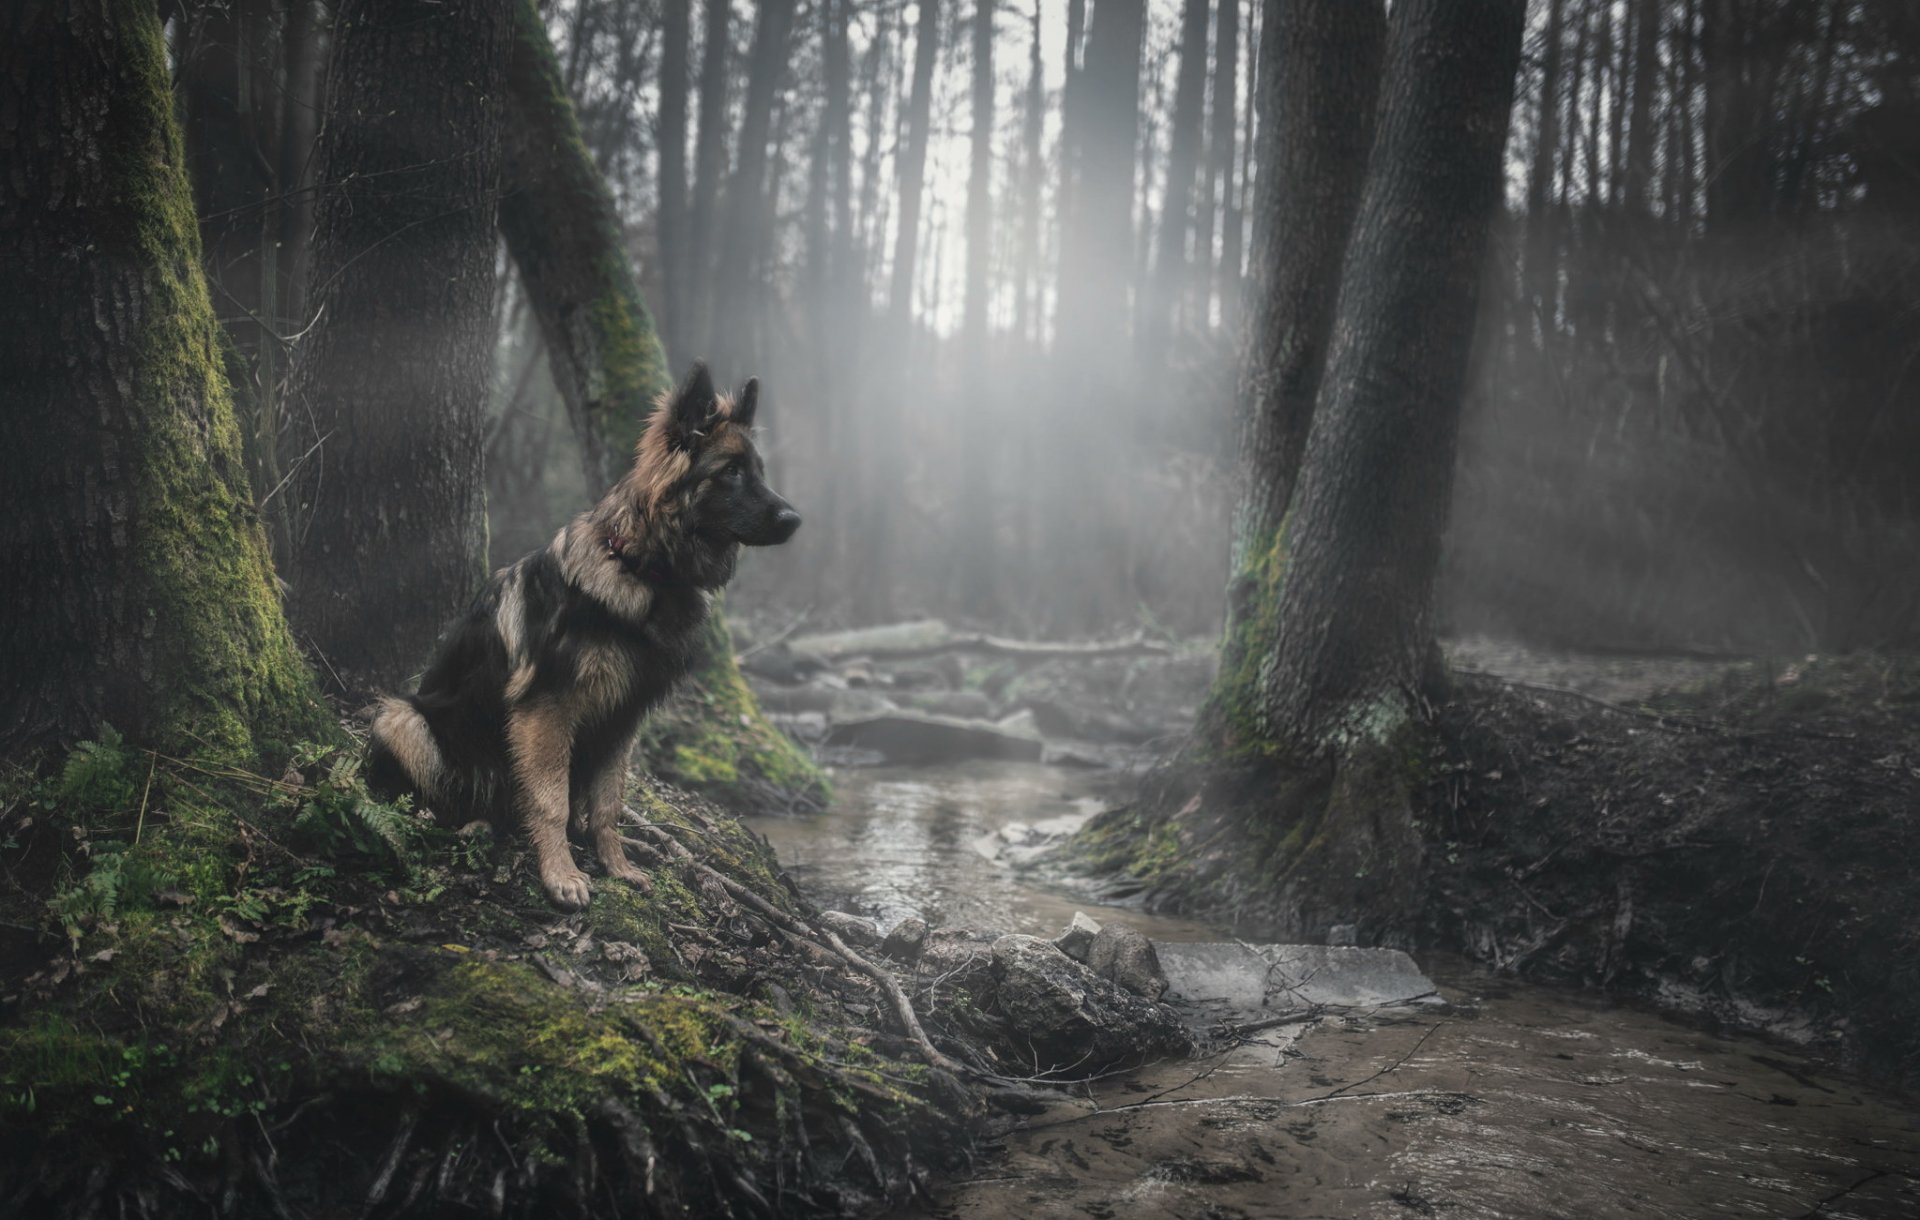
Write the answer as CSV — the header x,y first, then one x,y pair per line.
x,y
1512,1101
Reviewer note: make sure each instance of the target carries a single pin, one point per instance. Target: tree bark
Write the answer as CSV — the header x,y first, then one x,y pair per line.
x,y
390,523
564,233
1354,652
141,590
1319,75
672,220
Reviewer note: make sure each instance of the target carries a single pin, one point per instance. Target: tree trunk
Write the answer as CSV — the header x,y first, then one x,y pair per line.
x,y
1319,75
141,589
1537,265
1096,260
743,233
709,167
1033,120
913,163
1218,197
390,521
564,234
672,222
1355,646
1183,162
1640,129
974,576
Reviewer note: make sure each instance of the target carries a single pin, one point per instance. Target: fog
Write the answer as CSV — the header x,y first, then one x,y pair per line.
x,y
1692,423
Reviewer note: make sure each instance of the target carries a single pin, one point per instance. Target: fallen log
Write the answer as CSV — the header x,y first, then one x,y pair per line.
x,y
930,637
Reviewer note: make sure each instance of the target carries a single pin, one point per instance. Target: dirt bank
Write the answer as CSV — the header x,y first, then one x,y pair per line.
x,y
1743,851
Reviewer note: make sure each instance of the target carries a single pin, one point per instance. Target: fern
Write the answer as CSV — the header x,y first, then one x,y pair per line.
x,y
339,817
100,775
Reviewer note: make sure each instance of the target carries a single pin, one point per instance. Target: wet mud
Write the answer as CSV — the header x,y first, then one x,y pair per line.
x,y
1513,1100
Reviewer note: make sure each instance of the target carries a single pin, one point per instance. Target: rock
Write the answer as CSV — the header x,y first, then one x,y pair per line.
x,y
1078,937
915,738
1075,1021
824,697
1125,956
854,929
1343,934
907,941
951,950
1251,980
1061,718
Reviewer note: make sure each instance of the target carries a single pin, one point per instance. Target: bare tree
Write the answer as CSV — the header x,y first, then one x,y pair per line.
x,y
1185,137
672,221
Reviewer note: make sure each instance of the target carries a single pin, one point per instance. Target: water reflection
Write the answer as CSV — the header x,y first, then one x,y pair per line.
x,y
931,841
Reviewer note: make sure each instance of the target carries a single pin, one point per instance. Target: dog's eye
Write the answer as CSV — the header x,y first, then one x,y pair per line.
x,y
731,474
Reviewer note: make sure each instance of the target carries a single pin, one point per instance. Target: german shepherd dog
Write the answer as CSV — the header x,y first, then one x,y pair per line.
x,y
530,709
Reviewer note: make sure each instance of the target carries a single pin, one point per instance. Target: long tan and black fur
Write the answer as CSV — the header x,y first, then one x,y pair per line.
x,y
528,713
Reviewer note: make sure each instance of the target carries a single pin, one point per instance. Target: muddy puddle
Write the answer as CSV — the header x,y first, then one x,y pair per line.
x,y
1508,1100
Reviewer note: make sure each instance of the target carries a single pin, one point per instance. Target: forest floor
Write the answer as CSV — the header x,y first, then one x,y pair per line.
x,y
1732,840
226,994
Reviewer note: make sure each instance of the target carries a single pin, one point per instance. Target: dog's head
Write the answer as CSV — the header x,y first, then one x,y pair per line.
x,y
701,481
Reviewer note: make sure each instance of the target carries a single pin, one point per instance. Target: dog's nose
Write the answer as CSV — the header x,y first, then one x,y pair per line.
x,y
785,522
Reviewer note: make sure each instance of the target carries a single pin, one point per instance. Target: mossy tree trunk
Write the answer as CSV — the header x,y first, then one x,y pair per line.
x,y
1325,686
389,518
558,218
1355,630
1319,75
560,225
141,593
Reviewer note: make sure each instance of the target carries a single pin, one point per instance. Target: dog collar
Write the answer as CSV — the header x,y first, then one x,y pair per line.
x,y
656,572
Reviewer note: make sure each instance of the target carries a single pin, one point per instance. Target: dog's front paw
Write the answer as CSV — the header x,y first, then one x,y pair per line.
x,y
567,890
631,874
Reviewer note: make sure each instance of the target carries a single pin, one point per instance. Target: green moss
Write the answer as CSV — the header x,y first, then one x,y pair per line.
x,y
227,679
714,739
1232,724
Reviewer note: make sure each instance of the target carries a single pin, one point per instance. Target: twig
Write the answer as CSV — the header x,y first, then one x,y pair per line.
x,y
291,471
778,637
1431,1030
140,822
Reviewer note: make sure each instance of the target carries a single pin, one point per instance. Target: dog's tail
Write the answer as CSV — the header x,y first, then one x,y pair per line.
x,y
403,758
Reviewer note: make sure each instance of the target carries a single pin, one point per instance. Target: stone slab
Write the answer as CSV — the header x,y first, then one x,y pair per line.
x,y
1256,980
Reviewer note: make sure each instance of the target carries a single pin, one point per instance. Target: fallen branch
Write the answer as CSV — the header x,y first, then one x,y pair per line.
x,y
1000,646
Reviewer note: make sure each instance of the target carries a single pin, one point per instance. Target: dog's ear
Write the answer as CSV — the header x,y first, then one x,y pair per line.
x,y
691,409
746,402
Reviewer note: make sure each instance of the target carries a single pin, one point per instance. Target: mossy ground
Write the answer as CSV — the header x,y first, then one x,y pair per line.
x,y
228,992
712,738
